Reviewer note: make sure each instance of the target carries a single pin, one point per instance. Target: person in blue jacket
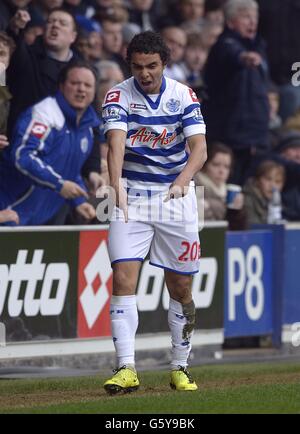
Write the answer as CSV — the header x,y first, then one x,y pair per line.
x,y
50,143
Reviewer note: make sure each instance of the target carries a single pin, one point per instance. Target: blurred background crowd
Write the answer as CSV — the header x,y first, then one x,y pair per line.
x,y
240,57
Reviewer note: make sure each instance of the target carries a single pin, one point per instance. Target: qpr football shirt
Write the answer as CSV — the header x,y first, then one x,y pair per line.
x,y
157,129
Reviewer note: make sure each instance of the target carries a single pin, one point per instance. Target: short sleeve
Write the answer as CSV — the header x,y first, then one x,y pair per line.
x,y
192,119
115,110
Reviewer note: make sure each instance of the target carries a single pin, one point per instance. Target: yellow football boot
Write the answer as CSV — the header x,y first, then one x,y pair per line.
x,y
182,380
124,380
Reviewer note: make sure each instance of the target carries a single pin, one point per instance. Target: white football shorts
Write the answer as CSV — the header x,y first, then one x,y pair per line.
x,y
169,230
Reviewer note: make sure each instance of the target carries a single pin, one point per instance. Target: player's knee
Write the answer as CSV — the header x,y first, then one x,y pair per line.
x,y
123,283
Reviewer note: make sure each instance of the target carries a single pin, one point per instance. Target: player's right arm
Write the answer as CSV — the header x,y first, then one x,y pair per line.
x,y
115,117
116,148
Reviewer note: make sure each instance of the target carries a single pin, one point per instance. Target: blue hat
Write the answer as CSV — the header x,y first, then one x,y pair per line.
x,y
88,24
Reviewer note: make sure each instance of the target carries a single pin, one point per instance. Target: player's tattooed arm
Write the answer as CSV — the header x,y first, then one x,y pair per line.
x,y
196,160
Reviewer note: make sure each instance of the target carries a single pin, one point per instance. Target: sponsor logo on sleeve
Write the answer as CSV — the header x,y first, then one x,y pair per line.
x,y
39,130
197,115
112,114
193,95
113,96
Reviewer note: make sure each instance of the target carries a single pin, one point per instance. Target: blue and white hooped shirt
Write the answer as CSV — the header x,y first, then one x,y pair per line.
x,y
157,129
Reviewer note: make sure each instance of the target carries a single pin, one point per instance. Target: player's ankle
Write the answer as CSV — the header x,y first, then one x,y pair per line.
x,y
130,366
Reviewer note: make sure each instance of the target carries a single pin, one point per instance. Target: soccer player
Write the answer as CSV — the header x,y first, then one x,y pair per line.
x,y
149,120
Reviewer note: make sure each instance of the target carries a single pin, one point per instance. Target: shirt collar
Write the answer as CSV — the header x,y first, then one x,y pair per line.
x,y
153,104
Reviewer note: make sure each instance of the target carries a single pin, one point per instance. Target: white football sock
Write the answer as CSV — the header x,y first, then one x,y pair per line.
x,y
124,323
181,347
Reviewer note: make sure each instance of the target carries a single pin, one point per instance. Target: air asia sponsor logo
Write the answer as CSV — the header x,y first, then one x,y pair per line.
x,y
113,96
154,139
36,288
95,285
39,130
193,95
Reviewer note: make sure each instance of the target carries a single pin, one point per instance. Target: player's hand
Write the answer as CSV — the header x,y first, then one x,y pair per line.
x,y
71,190
87,211
176,191
20,20
95,181
8,215
3,141
121,200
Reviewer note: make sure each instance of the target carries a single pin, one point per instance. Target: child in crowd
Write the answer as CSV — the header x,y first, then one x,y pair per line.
x,y
195,56
213,177
258,190
275,121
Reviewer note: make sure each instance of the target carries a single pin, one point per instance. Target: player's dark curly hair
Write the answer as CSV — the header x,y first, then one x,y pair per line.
x,y
148,43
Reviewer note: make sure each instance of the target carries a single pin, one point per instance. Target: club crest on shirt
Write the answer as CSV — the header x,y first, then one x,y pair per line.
x,y
84,145
173,105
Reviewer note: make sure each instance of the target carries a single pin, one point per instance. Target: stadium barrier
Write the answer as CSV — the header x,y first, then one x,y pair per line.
x,y
55,284
253,282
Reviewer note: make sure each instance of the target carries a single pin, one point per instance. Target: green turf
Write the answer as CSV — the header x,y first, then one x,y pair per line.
x,y
248,388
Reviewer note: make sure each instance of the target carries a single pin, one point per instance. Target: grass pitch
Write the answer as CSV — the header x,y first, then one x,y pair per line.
x,y
248,388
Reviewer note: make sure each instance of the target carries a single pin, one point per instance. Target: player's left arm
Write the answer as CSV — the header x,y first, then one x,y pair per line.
x,y
196,160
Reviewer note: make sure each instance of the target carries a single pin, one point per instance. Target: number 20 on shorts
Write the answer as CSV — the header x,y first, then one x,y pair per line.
x,y
192,252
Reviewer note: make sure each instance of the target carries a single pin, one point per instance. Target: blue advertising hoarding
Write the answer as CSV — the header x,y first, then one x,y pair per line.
x,y
291,292
248,284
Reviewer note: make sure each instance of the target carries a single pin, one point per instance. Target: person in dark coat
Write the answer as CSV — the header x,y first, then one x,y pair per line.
x,y
38,66
279,26
236,75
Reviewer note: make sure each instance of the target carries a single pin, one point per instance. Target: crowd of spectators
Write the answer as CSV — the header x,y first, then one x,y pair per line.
x,y
239,57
